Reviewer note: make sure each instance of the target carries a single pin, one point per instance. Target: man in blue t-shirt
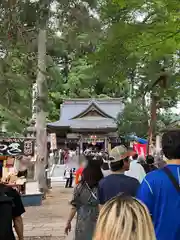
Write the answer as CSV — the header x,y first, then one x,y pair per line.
x,y
117,182
160,190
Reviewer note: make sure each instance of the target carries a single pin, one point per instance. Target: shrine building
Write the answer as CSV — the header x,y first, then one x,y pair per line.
x,y
85,122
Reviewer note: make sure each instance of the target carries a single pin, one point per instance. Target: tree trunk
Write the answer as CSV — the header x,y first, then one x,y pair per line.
x,y
41,135
152,122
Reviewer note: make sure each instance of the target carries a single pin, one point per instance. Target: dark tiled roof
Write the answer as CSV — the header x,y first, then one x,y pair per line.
x,y
93,123
74,107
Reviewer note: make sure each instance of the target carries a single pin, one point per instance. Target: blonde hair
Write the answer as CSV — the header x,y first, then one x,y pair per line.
x,y
124,218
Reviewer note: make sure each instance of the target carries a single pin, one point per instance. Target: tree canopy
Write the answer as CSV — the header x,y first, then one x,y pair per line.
x,y
96,48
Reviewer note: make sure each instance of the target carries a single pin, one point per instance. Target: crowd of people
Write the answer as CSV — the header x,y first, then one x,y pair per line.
x,y
118,196
122,197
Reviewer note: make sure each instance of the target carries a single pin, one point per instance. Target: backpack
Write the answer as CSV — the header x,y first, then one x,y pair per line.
x,y
6,205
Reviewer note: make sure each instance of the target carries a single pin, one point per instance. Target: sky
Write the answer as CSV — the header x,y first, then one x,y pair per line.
x,y
176,109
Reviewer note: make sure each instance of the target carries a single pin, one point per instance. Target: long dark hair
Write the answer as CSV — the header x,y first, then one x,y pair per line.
x,y
105,158
92,174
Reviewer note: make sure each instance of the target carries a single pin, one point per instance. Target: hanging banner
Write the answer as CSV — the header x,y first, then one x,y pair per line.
x,y
141,149
53,141
16,146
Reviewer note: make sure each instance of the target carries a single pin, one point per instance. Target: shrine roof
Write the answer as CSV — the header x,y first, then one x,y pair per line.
x,y
93,123
73,113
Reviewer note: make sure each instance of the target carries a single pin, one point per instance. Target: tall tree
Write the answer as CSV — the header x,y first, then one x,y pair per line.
x,y
140,49
141,39
15,69
42,98
72,32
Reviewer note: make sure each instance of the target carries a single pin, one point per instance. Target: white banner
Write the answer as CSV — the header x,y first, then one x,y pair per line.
x,y
53,141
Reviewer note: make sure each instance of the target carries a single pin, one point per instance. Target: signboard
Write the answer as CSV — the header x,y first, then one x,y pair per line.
x,y
141,149
53,141
16,146
93,140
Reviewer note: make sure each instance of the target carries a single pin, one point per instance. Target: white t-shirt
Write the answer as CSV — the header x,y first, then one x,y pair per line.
x,y
106,172
136,171
67,173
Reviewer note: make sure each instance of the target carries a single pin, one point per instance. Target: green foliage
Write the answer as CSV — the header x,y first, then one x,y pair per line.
x,y
133,120
18,40
167,117
94,49
140,39
17,64
140,45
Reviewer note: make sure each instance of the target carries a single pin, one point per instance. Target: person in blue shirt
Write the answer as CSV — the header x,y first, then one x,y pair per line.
x,y
160,190
117,182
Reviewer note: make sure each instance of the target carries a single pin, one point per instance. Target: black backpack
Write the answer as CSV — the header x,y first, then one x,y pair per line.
x,y
6,205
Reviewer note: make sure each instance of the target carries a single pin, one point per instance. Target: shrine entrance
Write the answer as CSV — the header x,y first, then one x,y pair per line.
x,y
88,123
97,146
94,142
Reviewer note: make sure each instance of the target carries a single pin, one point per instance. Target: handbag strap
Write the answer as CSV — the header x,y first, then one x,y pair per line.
x,y
172,178
91,192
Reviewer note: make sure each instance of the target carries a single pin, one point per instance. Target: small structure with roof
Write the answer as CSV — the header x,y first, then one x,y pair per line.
x,y
87,121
